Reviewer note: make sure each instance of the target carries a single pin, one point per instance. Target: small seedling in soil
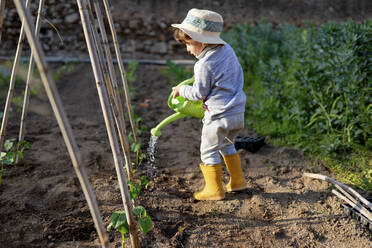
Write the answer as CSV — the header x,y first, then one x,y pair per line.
x,y
136,146
135,188
11,152
119,222
118,218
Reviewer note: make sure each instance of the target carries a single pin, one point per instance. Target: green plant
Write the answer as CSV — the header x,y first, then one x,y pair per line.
x,y
176,73
136,146
5,76
131,71
18,101
140,127
12,151
119,222
135,188
309,87
63,70
118,218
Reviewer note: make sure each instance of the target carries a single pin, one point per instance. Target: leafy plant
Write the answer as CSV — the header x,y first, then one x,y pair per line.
x,y
131,71
118,218
119,222
12,151
140,127
176,73
5,76
309,85
135,188
136,146
62,70
18,101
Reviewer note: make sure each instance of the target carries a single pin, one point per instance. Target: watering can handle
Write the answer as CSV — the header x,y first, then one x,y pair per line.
x,y
186,82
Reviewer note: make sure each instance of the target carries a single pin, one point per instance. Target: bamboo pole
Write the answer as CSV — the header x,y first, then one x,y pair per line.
x,y
346,194
2,8
107,114
121,67
113,99
331,180
9,98
358,207
125,142
29,78
63,122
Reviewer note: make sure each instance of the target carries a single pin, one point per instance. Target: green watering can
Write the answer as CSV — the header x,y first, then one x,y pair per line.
x,y
182,107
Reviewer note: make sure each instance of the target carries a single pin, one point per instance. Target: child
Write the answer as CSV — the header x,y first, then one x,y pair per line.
x,y
219,83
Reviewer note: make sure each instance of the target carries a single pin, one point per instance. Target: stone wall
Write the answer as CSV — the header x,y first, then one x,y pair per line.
x,y
143,26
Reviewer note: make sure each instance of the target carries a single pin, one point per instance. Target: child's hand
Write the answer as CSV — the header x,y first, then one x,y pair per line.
x,y
176,91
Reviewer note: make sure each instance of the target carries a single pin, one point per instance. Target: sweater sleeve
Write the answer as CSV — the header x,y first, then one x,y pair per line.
x,y
201,86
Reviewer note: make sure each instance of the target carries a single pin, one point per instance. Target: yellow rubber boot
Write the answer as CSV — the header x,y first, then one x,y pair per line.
x,y
234,167
213,189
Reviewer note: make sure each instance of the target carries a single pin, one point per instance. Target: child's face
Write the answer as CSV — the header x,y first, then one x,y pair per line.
x,y
194,47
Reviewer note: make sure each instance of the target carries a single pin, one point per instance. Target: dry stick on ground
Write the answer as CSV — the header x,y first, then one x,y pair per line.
x,y
107,114
112,72
121,67
29,78
331,180
2,7
358,207
12,82
63,122
119,119
350,197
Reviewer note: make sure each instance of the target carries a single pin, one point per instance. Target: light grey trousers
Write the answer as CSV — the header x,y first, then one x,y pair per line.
x,y
216,137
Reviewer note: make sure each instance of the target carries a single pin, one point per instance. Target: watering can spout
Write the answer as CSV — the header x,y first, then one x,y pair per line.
x,y
182,107
156,130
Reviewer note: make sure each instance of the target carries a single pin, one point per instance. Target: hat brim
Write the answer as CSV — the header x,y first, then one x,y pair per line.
x,y
211,38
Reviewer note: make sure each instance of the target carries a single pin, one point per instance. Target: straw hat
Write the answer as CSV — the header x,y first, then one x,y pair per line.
x,y
203,26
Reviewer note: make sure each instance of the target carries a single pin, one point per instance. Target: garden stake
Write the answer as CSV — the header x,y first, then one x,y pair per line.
x,y
107,114
114,81
12,81
121,67
28,81
357,207
120,124
63,122
2,7
331,180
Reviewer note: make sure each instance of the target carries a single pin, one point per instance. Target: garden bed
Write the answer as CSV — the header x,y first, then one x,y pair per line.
x,y
42,204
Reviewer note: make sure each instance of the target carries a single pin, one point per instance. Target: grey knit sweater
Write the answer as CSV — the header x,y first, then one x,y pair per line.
x,y
218,81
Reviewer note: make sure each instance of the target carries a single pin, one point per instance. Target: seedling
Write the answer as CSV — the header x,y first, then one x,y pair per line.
x,y
136,147
119,222
135,188
11,152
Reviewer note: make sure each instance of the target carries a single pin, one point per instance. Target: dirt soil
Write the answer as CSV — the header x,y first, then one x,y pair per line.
x,y
42,204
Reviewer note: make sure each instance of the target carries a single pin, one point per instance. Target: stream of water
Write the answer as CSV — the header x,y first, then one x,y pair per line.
x,y
151,150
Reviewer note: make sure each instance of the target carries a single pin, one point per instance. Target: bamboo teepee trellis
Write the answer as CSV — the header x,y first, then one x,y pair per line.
x,y
108,97
62,120
108,116
121,66
9,98
113,92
